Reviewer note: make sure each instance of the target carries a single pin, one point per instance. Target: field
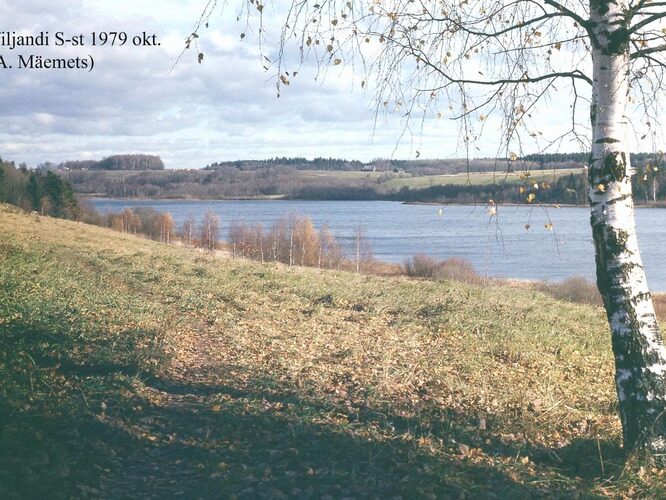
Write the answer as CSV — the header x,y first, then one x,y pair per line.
x,y
272,183
478,178
130,368
395,181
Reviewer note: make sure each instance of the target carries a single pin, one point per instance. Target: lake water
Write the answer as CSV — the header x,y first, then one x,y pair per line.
x,y
498,246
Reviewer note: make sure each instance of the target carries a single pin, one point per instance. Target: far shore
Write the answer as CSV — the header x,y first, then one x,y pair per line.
x,y
281,197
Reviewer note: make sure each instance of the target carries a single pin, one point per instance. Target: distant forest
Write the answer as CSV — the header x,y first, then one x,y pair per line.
x,y
416,167
298,178
115,162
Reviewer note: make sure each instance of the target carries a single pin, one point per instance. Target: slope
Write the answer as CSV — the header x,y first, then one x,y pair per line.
x,y
131,368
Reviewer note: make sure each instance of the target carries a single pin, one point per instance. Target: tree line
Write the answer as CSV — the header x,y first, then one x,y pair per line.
x,y
637,159
415,167
292,240
649,187
298,162
32,190
114,162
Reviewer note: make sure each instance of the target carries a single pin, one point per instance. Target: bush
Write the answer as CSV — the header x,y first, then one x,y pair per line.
x,y
454,268
458,269
577,290
421,266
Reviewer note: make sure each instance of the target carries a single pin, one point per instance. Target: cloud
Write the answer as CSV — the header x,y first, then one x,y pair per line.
x,y
191,114
137,100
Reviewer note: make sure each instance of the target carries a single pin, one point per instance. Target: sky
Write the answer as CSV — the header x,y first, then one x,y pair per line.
x,y
145,99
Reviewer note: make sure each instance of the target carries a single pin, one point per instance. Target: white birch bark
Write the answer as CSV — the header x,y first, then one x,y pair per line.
x,y
640,355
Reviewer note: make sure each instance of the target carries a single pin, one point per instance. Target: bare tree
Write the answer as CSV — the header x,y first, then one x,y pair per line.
x,y
187,233
362,249
502,63
306,242
236,238
209,231
329,253
166,227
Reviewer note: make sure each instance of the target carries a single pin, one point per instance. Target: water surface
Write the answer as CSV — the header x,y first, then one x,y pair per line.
x,y
517,243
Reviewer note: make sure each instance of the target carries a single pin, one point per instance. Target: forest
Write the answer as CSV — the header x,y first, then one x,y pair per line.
x,y
552,178
44,192
116,162
290,183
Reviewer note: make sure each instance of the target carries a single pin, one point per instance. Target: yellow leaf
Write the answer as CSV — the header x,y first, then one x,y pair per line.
x,y
531,197
216,408
548,226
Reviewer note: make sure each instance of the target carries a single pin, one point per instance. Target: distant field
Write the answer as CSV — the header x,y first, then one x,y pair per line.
x,y
389,179
130,368
339,174
392,180
476,178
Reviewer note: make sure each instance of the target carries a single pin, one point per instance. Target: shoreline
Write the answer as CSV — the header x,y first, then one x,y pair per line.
x,y
286,198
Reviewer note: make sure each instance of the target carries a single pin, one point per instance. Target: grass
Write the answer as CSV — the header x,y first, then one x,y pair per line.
x,y
475,178
392,181
131,368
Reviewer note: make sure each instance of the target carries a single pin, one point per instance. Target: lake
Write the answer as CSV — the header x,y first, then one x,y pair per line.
x,y
517,243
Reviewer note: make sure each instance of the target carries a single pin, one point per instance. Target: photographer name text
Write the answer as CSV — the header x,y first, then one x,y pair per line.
x,y
20,50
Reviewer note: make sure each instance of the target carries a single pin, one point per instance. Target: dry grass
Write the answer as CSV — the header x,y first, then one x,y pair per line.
x,y
581,291
576,290
475,178
266,381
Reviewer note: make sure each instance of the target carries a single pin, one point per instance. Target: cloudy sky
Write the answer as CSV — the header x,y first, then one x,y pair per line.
x,y
136,101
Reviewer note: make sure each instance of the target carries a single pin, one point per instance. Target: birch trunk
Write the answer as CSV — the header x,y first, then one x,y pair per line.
x,y
640,356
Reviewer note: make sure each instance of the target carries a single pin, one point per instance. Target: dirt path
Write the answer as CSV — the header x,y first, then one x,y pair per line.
x,y
183,415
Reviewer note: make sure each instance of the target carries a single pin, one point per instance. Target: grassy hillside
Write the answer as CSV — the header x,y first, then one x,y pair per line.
x,y
131,368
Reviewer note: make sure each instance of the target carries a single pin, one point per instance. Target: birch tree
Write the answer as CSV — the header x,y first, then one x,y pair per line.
x,y
505,63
